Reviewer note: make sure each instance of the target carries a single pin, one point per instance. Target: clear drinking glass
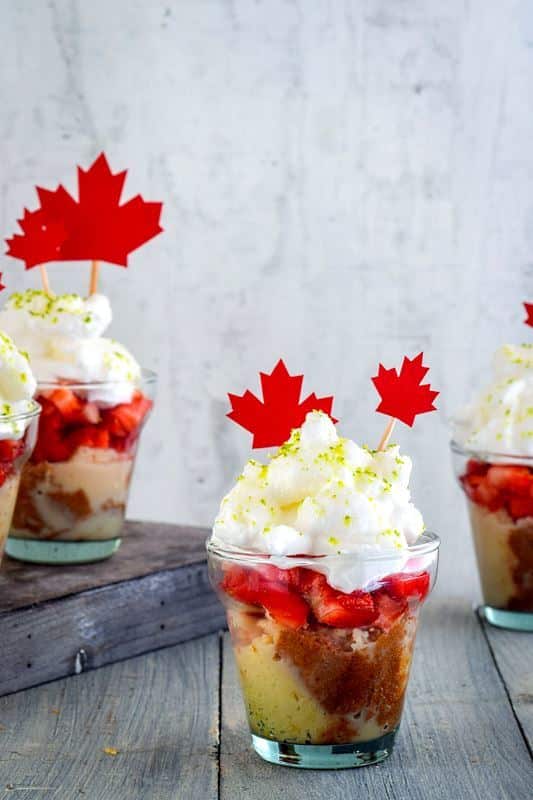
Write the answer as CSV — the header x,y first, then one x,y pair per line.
x,y
73,491
499,496
14,453
325,694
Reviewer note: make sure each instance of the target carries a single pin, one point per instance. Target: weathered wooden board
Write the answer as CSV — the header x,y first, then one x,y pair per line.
x,y
160,712
56,621
513,653
459,738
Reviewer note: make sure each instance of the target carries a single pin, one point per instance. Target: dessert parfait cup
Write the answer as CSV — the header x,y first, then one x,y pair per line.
x,y
74,489
14,453
499,495
323,673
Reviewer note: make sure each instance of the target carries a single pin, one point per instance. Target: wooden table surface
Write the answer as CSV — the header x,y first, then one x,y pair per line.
x,y
170,725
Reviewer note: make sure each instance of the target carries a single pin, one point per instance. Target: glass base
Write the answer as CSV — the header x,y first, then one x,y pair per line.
x,y
50,551
325,756
512,620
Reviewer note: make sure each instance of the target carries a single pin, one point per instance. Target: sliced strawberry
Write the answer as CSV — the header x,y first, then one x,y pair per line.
x,y
404,585
88,436
514,479
489,496
127,417
389,609
520,507
67,403
341,610
474,467
251,587
10,449
471,484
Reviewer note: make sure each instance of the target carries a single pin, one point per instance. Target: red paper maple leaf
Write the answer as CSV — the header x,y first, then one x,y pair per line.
x,y
2,286
403,395
41,240
272,419
94,227
529,311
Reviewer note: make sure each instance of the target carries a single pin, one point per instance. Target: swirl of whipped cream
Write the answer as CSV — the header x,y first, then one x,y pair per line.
x,y
63,336
323,495
17,387
500,419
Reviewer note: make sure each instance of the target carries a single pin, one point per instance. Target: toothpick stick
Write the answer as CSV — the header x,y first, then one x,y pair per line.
x,y
44,278
387,433
95,270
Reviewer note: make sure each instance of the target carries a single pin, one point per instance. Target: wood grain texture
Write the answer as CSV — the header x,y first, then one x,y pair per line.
x,y
85,624
160,712
147,547
513,654
458,739
104,625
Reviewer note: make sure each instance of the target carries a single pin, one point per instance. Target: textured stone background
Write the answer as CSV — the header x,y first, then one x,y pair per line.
x,y
343,182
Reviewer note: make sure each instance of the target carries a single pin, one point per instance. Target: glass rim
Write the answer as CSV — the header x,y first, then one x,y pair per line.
x,y
427,543
488,455
33,411
147,377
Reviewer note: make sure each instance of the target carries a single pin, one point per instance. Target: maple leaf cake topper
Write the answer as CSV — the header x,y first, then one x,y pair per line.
x,y
272,419
2,286
529,311
403,395
94,227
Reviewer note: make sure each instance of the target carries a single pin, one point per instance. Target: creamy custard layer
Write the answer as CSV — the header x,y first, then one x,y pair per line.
x,y
8,496
76,500
280,703
495,537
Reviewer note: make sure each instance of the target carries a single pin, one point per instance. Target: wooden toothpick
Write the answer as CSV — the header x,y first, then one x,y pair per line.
x,y
387,433
95,270
44,278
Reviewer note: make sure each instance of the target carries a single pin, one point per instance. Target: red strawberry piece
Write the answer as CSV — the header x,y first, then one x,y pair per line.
x,y
127,417
489,496
251,587
404,585
389,609
474,467
341,610
520,507
514,479
10,449
67,403
88,436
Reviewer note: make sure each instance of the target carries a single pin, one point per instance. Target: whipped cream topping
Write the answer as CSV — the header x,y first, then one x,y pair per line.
x,y
17,387
324,495
63,336
500,419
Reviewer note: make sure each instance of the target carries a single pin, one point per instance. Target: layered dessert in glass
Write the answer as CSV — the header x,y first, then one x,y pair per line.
x,y
95,400
18,426
493,460
322,564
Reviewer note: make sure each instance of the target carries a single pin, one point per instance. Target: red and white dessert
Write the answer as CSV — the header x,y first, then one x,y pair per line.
x,y
493,444
94,402
320,559
18,417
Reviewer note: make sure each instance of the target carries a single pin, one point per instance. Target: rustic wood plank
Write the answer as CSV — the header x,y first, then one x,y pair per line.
x,y
147,547
159,711
60,620
103,625
459,738
513,654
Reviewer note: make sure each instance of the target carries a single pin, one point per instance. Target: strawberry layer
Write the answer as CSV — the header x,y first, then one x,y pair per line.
x,y
299,596
10,450
500,486
69,421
